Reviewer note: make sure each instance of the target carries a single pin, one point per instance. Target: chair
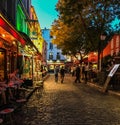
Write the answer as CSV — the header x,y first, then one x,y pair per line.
x,y
21,102
3,87
8,116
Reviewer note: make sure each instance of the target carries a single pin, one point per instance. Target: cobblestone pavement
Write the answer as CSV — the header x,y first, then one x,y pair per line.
x,y
69,104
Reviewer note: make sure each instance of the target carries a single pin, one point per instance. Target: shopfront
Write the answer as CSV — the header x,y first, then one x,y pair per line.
x,y
37,76
9,39
30,58
8,57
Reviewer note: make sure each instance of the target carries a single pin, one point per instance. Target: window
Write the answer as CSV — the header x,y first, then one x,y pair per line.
x,y
50,55
58,56
51,46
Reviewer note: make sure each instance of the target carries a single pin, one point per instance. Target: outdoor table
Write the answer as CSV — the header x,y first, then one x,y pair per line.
x,y
8,113
14,89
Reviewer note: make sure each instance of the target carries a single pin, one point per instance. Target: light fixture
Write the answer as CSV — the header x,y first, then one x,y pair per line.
x,y
3,35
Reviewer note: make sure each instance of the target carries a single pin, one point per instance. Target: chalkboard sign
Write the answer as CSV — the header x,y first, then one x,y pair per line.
x,y
110,75
114,69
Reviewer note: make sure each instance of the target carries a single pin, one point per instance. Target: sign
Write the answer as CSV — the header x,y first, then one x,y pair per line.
x,y
110,75
106,84
114,69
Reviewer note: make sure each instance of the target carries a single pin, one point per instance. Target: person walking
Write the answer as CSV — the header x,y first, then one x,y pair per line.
x,y
56,71
62,74
77,74
86,72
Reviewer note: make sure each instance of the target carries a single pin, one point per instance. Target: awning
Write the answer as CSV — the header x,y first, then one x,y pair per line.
x,y
28,40
92,57
9,28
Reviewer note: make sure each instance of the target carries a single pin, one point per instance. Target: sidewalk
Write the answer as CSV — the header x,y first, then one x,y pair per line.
x,y
99,88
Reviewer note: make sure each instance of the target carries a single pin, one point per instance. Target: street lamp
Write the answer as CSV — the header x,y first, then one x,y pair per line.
x,y
100,49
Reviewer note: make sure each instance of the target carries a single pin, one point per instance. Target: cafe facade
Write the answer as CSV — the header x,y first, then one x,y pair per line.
x,y
17,49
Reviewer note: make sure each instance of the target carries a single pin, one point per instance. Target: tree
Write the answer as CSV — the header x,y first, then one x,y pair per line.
x,y
70,41
81,23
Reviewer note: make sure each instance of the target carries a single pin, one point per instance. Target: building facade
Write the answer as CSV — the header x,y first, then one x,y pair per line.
x,y
54,55
17,50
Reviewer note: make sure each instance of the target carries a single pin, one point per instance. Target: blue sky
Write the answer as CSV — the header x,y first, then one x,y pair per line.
x,y
46,13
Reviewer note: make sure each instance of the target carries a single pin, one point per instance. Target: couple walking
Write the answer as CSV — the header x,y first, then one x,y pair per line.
x,y
62,73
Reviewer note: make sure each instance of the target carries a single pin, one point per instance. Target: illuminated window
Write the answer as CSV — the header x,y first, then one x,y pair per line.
x,y
50,55
58,56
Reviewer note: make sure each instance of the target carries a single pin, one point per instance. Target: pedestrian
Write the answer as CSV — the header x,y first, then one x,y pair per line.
x,y
56,71
62,74
86,72
77,73
74,68
82,71
71,70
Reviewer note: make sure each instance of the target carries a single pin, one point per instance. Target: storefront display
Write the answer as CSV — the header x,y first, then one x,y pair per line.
x,y
27,67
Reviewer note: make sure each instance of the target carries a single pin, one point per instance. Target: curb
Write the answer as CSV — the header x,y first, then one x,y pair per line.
x,y
111,92
114,93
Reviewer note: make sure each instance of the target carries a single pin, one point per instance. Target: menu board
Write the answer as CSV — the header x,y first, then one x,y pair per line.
x,y
110,75
114,69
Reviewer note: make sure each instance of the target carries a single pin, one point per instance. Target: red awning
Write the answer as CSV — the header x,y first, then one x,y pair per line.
x,y
113,46
5,25
92,57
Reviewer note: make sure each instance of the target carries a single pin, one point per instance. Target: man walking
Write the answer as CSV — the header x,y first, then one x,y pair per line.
x,y
77,73
62,74
56,71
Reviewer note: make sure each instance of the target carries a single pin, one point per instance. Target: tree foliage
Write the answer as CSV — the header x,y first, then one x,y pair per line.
x,y
81,23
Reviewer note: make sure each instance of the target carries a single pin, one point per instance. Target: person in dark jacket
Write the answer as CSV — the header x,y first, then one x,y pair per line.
x,y
77,73
56,71
62,74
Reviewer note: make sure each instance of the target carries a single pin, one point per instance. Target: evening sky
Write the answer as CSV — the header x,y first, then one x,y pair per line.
x,y
46,13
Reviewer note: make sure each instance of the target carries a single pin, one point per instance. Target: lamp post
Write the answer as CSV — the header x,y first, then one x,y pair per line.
x,y
100,49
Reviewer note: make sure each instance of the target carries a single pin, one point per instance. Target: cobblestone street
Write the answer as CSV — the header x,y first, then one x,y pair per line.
x,y
70,103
